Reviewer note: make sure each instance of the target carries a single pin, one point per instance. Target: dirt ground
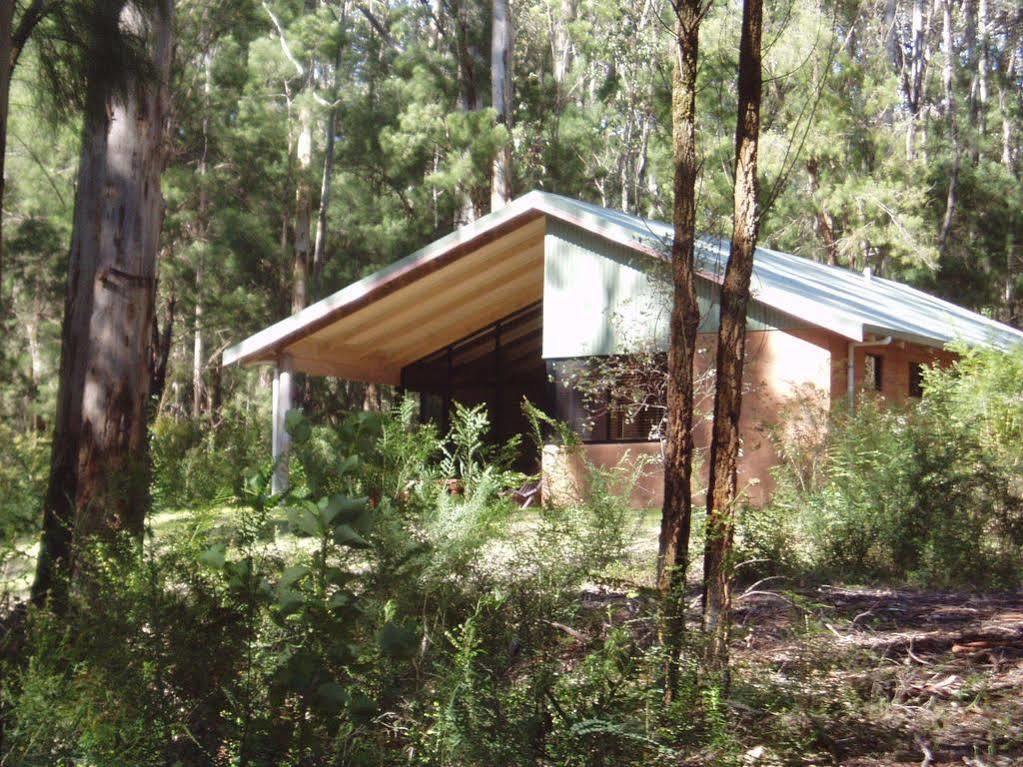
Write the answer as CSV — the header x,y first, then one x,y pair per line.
x,y
883,677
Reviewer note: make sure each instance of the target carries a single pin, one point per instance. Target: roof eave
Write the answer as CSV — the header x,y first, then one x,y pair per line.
x,y
267,344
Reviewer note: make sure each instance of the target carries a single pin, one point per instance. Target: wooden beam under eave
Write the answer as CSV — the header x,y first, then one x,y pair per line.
x,y
350,371
477,314
440,292
455,305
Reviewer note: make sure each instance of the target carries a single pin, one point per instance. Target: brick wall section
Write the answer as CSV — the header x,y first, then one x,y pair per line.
x,y
783,369
896,358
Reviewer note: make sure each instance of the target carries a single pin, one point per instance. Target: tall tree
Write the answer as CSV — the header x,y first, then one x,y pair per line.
x,y
97,481
914,71
676,512
199,401
330,139
501,98
302,251
951,121
731,348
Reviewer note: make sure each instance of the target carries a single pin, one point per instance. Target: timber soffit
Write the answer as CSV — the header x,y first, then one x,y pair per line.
x,y
833,298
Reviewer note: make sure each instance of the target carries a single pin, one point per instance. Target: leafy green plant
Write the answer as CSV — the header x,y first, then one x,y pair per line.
x,y
927,492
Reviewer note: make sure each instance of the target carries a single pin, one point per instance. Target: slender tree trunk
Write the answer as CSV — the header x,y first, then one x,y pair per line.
x,y
735,291
676,512
948,81
914,71
474,202
327,183
561,43
216,387
501,97
891,35
639,176
1003,107
983,63
6,70
285,254
970,45
371,398
1010,298
326,188
160,354
203,215
12,40
948,70
97,483
198,345
824,223
303,212
35,357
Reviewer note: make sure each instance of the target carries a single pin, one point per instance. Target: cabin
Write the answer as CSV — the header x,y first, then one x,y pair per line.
x,y
515,303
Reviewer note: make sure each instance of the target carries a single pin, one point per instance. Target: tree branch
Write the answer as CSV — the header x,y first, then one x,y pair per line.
x,y
299,69
35,13
384,32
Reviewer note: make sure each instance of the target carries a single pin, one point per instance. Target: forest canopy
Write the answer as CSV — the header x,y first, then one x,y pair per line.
x,y
886,143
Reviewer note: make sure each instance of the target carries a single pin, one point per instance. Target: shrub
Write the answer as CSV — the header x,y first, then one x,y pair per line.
x,y
196,464
367,616
927,493
24,467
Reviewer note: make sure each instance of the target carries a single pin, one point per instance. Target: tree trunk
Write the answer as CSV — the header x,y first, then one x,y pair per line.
x,y
824,222
676,512
1010,298
474,202
983,63
891,36
303,212
97,483
36,422
327,183
735,291
198,347
203,232
561,44
501,97
6,70
1003,107
160,354
12,42
371,398
948,78
913,74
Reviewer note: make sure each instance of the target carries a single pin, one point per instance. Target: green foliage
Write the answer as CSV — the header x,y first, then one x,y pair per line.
x,y
928,493
198,466
371,598
24,466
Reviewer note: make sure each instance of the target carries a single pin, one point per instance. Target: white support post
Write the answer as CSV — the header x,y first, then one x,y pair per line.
x,y
281,405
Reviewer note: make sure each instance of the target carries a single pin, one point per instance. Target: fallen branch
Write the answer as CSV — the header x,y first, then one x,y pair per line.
x,y
928,759
578,635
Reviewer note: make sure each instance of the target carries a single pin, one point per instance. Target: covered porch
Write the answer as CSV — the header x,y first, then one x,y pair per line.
x,y
459,320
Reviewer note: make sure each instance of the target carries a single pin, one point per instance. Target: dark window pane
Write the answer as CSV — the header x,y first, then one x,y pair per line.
x,y
916,379
633,416
873,371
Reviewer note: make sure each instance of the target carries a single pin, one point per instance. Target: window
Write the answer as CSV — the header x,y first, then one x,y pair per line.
x,y
627,426
916,379
629,409
873,371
